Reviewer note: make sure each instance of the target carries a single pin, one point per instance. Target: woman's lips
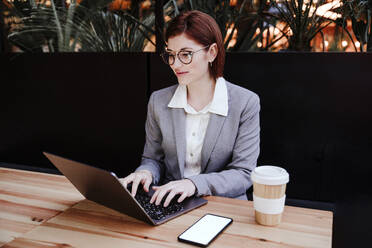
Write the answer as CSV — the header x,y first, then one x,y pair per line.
x,y
181,73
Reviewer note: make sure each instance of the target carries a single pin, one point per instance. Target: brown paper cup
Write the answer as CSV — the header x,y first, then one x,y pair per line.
x,y
269,185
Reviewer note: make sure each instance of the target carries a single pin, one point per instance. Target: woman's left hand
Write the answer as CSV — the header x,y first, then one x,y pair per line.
x,y
184,187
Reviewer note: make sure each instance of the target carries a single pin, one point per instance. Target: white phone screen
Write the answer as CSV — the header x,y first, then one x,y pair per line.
x,y
205,229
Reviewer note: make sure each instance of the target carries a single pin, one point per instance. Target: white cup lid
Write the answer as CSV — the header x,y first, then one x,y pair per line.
x,y
270,175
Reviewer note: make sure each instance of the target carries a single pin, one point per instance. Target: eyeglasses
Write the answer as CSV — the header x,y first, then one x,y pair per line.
x,y
184,56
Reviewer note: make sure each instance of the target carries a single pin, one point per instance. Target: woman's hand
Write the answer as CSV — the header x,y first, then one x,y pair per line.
x,y
143,176
184,187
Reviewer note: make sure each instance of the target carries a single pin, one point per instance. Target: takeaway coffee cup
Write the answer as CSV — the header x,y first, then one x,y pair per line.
x,y
269,184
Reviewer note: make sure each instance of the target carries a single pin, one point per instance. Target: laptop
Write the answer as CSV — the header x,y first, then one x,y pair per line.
x,y
104,187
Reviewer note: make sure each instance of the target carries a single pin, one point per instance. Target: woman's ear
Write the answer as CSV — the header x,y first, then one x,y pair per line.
x,y
212,52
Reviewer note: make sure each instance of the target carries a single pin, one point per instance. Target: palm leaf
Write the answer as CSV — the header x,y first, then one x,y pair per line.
x,y
79,28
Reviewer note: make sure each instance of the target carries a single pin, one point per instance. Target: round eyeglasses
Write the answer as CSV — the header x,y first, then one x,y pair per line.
x,y
184,56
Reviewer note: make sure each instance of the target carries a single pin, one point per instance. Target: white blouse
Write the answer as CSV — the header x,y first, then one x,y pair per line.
x,y
197,122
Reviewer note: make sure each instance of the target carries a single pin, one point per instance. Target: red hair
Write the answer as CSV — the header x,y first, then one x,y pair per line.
x,y
203,29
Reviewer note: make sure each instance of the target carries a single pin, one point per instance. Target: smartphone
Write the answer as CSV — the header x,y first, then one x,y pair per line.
x,y
205,230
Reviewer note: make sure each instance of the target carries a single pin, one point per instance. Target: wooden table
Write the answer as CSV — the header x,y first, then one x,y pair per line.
x,y
42,210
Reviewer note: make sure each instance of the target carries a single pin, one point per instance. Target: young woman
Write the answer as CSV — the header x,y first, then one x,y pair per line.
x,y
202,135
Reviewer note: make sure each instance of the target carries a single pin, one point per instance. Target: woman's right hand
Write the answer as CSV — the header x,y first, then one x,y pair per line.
x,y
142,176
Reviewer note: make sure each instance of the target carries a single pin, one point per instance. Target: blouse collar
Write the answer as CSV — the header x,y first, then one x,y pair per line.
x,y
218,105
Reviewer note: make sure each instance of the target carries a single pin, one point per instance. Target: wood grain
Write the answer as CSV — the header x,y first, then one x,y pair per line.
x,y
88,224
28,199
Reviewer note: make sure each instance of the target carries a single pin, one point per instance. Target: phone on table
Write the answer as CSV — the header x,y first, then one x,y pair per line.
x,y
205,230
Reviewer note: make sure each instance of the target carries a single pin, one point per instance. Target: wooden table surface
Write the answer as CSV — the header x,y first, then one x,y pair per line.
x,y
42,210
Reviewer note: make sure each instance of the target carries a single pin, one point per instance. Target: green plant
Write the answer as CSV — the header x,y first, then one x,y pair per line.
x,y
302,21
13,12
81,27
335,45
42,26
360,14
248,25
241,21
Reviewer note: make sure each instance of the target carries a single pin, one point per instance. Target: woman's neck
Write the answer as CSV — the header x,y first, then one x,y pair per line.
x,y
200,93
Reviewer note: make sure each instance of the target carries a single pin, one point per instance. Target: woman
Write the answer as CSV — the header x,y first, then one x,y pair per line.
x,y
202,135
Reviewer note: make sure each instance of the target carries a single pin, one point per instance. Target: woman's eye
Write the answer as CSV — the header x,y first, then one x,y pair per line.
x,y
185,55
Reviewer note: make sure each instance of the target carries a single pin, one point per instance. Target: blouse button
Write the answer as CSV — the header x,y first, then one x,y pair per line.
x,y
193,134
191,154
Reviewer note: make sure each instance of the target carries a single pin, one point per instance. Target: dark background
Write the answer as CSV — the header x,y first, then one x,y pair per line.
x,y
315,119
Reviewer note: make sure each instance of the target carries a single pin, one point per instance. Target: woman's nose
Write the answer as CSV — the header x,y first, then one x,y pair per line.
x,y
177,62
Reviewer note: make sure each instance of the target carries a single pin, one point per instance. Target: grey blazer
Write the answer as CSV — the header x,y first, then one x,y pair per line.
x,y
230,149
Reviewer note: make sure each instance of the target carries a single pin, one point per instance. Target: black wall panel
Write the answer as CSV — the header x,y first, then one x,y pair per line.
x,y
161,75
88,107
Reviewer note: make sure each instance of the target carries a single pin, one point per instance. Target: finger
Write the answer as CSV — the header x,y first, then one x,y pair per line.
x,y
126,180
157,190
169,198
146,185
136,181
182,197
123,182
161,195
155,194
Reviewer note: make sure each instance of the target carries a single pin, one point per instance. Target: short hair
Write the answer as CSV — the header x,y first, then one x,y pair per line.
x,y
203,29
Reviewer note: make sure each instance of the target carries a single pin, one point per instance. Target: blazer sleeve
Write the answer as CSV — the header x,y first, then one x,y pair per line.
x,y
153,154
235,179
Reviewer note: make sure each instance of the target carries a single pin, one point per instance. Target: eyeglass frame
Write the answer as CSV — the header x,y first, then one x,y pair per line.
x,y
177,55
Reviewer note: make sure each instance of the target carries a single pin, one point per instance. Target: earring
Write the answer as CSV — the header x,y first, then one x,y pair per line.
x,y
210,64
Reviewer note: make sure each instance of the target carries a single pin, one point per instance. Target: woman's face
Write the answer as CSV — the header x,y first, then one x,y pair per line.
x,y
198,69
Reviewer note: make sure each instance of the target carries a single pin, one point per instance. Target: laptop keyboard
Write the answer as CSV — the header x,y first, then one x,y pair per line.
x,y
156,212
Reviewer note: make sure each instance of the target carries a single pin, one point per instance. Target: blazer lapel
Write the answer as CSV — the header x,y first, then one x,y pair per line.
x,y
179,129
213,132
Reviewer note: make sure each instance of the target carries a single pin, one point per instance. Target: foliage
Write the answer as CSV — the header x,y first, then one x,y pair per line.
x,y
240,21
92,26
302,23
360,14
81,27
